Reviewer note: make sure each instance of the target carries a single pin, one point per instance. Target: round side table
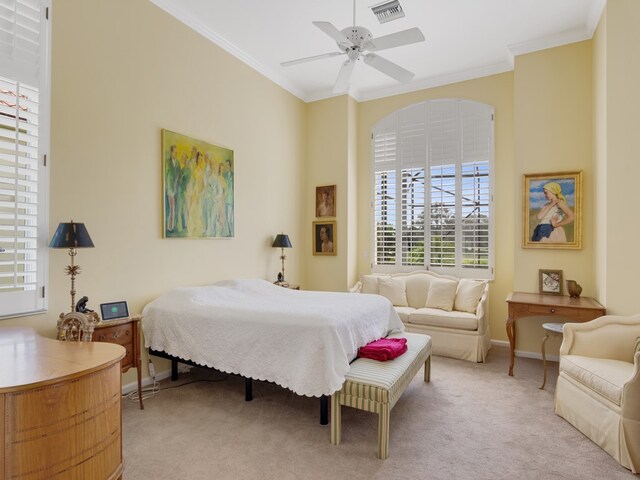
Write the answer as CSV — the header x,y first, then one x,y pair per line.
x,y
549,330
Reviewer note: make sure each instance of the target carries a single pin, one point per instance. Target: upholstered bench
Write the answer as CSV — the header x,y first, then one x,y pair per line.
x,y
376,386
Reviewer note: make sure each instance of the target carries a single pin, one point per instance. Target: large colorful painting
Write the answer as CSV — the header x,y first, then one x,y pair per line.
x,y
198,188
552,216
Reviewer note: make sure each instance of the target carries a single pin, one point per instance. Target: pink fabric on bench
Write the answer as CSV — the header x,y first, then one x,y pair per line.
x,y
384,349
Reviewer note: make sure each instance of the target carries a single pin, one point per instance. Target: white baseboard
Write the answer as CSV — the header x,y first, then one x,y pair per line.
x,y
146,381
524,354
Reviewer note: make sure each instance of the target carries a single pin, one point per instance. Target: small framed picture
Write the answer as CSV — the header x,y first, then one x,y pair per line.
x,y
113,310
324,238
550,282
326,201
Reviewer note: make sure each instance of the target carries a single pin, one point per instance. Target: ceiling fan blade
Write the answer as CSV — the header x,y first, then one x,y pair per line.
x,y
344,75
334,33
405,37
388,68
310,59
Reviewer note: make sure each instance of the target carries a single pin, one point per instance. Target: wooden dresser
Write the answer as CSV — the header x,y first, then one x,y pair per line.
x,y
60,408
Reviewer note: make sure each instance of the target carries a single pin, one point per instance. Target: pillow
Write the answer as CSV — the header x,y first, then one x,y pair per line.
x,y
637,349
441,294
393,290
370,283
468,295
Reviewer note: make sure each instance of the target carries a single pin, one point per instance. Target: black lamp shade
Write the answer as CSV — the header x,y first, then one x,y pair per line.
x,y
71,235
282,241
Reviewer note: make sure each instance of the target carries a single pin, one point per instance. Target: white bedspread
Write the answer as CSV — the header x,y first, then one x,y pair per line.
x,y
301,340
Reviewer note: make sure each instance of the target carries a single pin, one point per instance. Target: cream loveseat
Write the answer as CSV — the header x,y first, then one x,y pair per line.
x,y
598,389
452,311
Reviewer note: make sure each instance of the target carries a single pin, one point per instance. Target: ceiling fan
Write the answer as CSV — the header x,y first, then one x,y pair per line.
x,y
354,42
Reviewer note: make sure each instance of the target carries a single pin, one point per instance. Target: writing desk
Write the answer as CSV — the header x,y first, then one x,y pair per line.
x,y
60,407
522,305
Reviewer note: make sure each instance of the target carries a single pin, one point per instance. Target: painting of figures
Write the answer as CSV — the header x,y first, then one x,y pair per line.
x,y
198,188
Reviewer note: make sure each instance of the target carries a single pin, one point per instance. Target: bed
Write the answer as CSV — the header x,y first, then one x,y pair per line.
x,y
300,340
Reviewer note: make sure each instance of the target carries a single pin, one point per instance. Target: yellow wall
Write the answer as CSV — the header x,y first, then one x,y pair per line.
x,y
553,133
328,155
122,71
496,90
617,90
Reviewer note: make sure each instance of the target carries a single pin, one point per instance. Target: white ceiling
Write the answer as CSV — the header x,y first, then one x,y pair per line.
x,y
464,38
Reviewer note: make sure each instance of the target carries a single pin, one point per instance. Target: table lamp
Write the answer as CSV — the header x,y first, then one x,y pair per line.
x,y
72,236
282,241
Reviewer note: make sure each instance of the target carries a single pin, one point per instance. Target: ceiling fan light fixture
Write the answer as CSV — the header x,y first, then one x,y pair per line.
x,y
387,11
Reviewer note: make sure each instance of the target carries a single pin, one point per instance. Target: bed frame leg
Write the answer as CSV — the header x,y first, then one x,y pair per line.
x,y
174,369
248,390
324,410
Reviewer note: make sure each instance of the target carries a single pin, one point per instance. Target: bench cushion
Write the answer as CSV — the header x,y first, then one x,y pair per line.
x,y
370,381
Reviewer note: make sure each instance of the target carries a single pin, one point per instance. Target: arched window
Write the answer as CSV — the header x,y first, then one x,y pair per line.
x,y
433,188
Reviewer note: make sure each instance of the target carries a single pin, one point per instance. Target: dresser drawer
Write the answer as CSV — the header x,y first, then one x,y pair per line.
x,y
567,312
127,361
120,334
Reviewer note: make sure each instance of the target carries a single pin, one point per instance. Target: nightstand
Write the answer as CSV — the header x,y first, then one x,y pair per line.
x,y
125,332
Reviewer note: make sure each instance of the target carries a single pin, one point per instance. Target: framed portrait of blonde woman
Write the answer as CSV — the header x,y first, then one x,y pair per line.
x,y
552,210
324,238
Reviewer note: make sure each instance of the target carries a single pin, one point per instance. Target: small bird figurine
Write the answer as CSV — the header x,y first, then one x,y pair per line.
x,y
574,289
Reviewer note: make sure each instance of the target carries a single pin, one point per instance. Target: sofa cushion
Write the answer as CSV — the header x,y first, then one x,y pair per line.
x,y
370,283
442,294
393,289
440,318
468,295
602,375
637,349
417,288
404,312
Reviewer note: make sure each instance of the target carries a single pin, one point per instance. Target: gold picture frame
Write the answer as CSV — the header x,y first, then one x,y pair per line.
x,y
324,238
326,201
552,210
550,282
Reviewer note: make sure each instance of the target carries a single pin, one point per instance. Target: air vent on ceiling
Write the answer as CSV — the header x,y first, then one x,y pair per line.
x,y
387,11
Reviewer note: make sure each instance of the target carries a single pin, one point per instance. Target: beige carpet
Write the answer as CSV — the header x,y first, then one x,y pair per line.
x,y
472,421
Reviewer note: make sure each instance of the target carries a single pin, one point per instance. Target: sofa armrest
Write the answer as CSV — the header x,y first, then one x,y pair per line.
x,y
481,311
631,393
357,288
610,337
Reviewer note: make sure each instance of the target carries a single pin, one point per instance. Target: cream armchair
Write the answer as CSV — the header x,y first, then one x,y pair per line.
x,y
598,389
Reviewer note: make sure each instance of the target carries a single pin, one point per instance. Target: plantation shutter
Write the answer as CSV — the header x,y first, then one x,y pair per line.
x,y
432,188
23,136
384,145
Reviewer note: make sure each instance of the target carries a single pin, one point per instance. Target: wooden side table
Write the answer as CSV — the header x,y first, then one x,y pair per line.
x,y
522,305
125,332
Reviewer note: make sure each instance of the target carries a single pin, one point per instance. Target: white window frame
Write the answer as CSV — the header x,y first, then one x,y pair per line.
x,y
391,122
35,300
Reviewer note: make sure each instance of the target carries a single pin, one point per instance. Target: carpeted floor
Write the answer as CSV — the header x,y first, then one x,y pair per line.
x,y
472,421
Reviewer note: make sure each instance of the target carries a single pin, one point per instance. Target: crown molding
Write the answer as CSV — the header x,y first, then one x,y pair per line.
x,y
174,9
594,16
432,82
557,40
